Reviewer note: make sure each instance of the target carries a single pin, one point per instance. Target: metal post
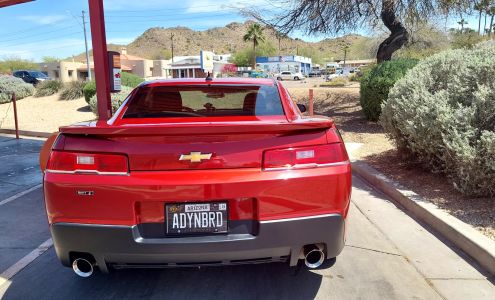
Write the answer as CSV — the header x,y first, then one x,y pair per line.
x,y
98,36
86,45
15,116
172,41
311,102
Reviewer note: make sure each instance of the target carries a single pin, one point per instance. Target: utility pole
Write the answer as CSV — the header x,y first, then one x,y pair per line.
x,y
172,40
86,45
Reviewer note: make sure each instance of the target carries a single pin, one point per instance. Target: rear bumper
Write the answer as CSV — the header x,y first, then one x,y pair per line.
x,y
124,246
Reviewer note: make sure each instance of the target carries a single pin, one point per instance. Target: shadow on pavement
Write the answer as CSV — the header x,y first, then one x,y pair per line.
x,y
266,281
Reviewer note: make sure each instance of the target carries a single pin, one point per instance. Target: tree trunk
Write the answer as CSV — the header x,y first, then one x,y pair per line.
x,y
491,27
398,33
254,54
479,24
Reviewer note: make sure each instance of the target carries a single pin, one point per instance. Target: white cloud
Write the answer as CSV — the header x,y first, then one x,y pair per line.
x,y
203,6
45,19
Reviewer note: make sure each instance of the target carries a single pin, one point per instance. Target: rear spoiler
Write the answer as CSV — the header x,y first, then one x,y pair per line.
x,y
198,128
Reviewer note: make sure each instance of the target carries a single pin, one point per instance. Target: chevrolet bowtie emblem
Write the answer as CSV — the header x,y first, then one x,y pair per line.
x,y
195,156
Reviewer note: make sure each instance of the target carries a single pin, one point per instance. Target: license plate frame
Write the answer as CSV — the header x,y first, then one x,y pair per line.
x,y
189,213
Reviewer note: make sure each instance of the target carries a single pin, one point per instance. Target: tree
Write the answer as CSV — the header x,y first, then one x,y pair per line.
x,y
491,12
49,59
13,63
342,16
244,57
462,22
254,34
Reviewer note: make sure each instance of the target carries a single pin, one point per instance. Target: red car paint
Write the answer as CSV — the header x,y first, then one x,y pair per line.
x,y
235,172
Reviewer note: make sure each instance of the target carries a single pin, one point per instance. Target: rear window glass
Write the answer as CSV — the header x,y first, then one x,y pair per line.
x,y
204,101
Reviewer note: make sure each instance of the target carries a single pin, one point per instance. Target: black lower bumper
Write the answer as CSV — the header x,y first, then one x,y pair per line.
x,y
124,246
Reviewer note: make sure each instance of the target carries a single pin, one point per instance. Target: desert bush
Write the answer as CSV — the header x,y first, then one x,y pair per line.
x,y
443,113
11,84
89,90
72,90
131,80
376,83
117,99
336,82
47,88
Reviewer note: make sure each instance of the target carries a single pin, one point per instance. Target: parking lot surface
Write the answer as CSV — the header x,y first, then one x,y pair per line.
x,y
388,255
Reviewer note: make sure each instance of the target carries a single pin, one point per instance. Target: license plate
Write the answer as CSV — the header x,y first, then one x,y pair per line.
x,y
196,218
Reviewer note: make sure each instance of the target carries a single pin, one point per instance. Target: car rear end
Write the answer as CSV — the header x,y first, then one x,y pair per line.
x,y
193,173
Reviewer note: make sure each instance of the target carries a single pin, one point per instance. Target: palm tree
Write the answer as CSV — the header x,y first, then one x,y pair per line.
x,y
254,34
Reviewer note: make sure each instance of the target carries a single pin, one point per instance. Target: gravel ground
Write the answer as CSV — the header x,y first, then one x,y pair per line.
x,y
45,114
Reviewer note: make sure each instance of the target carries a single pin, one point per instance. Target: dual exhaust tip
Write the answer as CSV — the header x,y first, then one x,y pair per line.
x,y
313,258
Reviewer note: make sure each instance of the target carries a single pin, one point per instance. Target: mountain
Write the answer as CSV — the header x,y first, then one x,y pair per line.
x,y
156,43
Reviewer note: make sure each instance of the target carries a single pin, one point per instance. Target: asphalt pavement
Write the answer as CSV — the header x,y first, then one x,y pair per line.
x,y
388,255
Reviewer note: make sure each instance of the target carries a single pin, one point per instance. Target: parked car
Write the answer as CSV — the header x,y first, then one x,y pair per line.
x,y
287,75
315,73
196,172
33,77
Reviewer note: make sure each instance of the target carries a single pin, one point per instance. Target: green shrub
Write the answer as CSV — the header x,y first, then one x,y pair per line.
x,y
443,113
131,80
377,82
117,99
89,90
48,88
11,84
72,90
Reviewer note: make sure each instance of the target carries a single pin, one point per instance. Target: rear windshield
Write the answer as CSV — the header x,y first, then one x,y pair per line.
x,y
204,101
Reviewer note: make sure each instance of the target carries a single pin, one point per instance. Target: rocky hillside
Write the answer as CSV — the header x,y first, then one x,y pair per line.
x,y
155,43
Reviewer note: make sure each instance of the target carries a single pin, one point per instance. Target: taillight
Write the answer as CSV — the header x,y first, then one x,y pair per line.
x,y
304,157
89,163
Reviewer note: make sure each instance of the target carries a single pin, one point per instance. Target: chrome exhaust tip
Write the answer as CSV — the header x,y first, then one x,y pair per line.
x,y
313,256
82,267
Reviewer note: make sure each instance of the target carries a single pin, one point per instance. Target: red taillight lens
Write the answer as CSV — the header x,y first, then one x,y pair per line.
x,y
304,157
74,162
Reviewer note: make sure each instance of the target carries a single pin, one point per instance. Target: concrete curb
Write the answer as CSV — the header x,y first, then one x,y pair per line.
x,y
479,247
27,133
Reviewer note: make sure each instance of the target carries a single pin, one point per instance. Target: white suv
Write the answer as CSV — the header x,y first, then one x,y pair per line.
x,y
287,75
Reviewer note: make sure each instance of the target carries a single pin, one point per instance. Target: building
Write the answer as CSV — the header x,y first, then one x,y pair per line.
x,y
277,64
78,70
190,66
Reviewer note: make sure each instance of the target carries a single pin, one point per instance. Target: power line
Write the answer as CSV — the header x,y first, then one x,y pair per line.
x,y
43,40
37,34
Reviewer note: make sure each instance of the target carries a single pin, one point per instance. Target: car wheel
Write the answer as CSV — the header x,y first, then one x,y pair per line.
x,y
279,78
296,78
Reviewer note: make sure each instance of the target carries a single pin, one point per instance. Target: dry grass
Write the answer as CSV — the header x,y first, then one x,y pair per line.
x,y
45,114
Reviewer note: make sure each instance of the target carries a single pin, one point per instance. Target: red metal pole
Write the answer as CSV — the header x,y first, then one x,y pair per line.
x,y
15,116
98,36
311,102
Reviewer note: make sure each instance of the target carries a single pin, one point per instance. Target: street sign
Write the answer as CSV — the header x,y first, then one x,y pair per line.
x,y
206,58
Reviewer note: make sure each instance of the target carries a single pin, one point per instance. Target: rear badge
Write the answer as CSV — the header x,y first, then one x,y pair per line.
x,y
195,156
85,193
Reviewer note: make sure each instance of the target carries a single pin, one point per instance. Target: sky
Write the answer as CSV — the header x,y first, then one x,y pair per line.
x,y
54,28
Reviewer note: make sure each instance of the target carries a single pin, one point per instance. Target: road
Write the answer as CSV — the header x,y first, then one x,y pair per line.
x,y
388,255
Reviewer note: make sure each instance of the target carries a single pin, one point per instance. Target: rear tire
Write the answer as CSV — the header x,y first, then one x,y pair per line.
x,y
296,78
279,78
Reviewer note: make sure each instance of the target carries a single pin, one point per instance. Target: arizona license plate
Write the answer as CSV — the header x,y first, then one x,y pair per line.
x,y
196,218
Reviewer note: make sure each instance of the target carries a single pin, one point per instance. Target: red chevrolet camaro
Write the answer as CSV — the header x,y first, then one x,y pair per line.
x,y
196,172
